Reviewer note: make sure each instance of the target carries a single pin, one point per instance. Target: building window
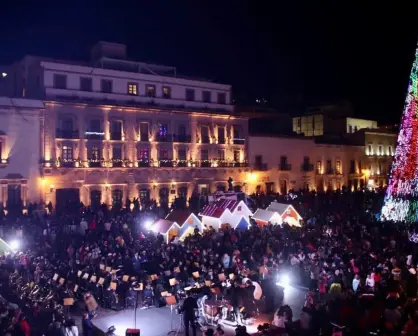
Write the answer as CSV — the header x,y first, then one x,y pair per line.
x,y
117,198
204,155
116,130
236,155
60,81
370,149
350,129
390,150
182,154
95,125
86,84
355,129
206,96
380,148
163,154
338,167
221,98
95,153
329,166
144,154
150,89
221,135
182,130
67,153
67,124
166,92
221,154
190,94
133,89
352,166
319,167
163,130
143,131
117,153
106,85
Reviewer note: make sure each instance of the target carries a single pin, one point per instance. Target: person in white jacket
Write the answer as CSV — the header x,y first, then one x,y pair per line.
x,y
370,280
70,328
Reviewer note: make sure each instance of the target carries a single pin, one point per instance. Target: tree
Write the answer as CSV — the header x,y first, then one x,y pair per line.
x,y
401,200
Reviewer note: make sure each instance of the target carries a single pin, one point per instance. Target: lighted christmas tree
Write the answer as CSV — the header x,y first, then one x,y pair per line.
x,y
401,201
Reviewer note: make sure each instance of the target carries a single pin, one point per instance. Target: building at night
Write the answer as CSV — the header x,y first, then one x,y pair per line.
x,y
20,142
116,129
319,163
330,119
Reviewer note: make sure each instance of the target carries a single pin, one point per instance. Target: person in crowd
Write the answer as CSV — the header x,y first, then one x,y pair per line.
x,y
70,328
188,308
340,245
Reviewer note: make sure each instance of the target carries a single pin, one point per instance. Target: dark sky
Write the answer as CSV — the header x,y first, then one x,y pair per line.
x,y
293,53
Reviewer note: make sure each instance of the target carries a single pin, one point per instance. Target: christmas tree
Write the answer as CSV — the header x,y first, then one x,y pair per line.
x,y
401,200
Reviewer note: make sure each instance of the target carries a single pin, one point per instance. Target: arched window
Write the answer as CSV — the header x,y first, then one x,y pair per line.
x,y
95,199
164,196
117,195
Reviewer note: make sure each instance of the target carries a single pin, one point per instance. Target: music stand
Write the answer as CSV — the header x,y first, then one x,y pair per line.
x,y
216,291
171,301
68,302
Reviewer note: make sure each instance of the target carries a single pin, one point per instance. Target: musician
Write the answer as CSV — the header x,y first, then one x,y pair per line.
x,y
236,299
188,309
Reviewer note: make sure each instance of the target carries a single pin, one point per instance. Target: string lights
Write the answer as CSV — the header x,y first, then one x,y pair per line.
x,y
401,201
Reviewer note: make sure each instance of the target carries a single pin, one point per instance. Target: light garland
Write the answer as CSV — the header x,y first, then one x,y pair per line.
x,y
401,201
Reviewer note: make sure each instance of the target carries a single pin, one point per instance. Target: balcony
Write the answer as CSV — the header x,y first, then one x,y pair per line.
x,y
183,163
116,136
66,134
165,163
164,138
238,141
144,137
205,139
205,164
94,135
285,167
117,163
261,166
307,167
182,138
330,172
95,163
143,163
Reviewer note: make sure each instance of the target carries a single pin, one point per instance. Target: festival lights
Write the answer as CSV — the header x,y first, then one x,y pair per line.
x,y
401,201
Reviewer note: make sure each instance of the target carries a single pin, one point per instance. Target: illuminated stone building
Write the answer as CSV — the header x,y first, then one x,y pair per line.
x,y
116,129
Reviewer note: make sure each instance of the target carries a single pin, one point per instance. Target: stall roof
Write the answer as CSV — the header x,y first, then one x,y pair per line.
x,y
162,226
263,215
217,209
179,216
278,207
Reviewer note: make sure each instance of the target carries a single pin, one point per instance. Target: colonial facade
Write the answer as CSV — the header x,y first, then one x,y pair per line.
x,y
285,163
20,143
115,129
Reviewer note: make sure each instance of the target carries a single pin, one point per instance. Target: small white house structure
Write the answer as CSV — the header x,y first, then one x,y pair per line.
x,y
263,217
187,222
225,212
166,228
287,212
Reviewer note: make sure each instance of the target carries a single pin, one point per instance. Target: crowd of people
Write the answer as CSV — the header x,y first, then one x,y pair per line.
x,y
361,273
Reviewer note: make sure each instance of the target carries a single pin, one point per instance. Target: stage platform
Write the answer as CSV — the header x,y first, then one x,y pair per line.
x,y
157,321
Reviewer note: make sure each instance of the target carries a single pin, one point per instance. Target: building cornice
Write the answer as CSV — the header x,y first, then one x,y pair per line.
x,y
153,109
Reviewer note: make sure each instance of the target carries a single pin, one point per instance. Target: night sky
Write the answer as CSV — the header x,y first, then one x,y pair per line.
x,y
292,53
